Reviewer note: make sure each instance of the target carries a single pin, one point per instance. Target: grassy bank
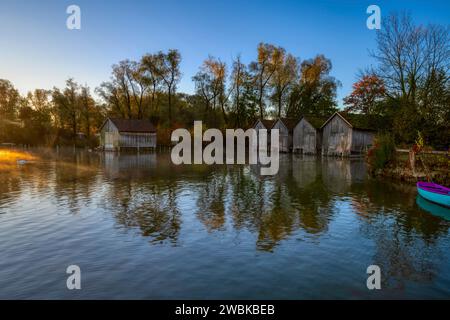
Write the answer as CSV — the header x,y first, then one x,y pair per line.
x,y
435,167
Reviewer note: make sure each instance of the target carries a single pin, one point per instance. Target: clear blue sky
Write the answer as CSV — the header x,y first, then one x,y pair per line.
x,y
38,51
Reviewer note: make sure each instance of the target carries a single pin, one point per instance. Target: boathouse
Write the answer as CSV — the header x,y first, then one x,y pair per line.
x,y
286,127
127,133
345,134
306,137
262,124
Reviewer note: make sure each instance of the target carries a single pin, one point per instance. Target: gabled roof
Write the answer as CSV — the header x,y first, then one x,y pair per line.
x,y
354,120
359,121
266,122
316,122
289,123
133,125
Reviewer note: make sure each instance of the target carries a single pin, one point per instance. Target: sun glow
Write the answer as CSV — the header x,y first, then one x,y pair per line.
x,y
10,158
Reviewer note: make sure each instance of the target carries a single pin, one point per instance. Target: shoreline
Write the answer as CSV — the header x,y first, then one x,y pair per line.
x,y
405,174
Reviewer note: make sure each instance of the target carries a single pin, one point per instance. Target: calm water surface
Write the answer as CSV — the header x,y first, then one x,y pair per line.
x,y
140,227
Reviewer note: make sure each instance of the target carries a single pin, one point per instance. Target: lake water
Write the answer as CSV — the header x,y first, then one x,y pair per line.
x,y
140,227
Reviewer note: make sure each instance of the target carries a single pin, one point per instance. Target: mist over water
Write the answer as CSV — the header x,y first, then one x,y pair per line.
x,y
140,227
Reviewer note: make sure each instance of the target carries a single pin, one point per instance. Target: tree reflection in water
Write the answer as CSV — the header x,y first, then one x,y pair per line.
x,y
152,209
406,240
145,193
211,200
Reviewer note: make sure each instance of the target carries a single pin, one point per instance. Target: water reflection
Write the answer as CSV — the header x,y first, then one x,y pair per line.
x,y
406,239
311,195
151,209
146,195
433,208
74,181
129,165
211,201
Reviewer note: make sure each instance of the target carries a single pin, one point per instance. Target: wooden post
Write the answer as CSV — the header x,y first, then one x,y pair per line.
x,y
412,161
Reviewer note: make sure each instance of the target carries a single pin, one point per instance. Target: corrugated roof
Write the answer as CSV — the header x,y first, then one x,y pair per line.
x,y
133,125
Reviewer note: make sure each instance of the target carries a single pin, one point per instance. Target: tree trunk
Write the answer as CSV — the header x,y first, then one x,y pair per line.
x,y
261,111
279,105
224,114
170,105
412,161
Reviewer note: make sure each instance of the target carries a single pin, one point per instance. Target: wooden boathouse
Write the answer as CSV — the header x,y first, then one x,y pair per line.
x,y
117,134
306,137
345,134
286,128
263,124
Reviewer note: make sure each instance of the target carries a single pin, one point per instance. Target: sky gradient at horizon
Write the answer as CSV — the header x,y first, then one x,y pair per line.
x,y
38,51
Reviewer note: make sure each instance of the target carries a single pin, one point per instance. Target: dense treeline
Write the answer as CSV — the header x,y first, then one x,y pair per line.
x,y
409,89
275,84
49,117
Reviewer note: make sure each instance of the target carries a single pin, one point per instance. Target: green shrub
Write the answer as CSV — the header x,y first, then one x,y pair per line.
x,y
382,153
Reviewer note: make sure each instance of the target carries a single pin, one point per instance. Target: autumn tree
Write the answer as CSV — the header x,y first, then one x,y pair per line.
x,y
138,85
117,92
87,110
66,106
238,78
9,102
9,99
367,96
244,96
315,93
151,66
210,84
285,73
112,96
170,74
120,81
263,70
35,115
40,101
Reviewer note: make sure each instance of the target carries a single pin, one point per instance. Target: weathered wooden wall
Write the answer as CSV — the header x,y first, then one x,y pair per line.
x,y
305,138
260,126
361,140
109,136
111,139
285,137
336,137
137,140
